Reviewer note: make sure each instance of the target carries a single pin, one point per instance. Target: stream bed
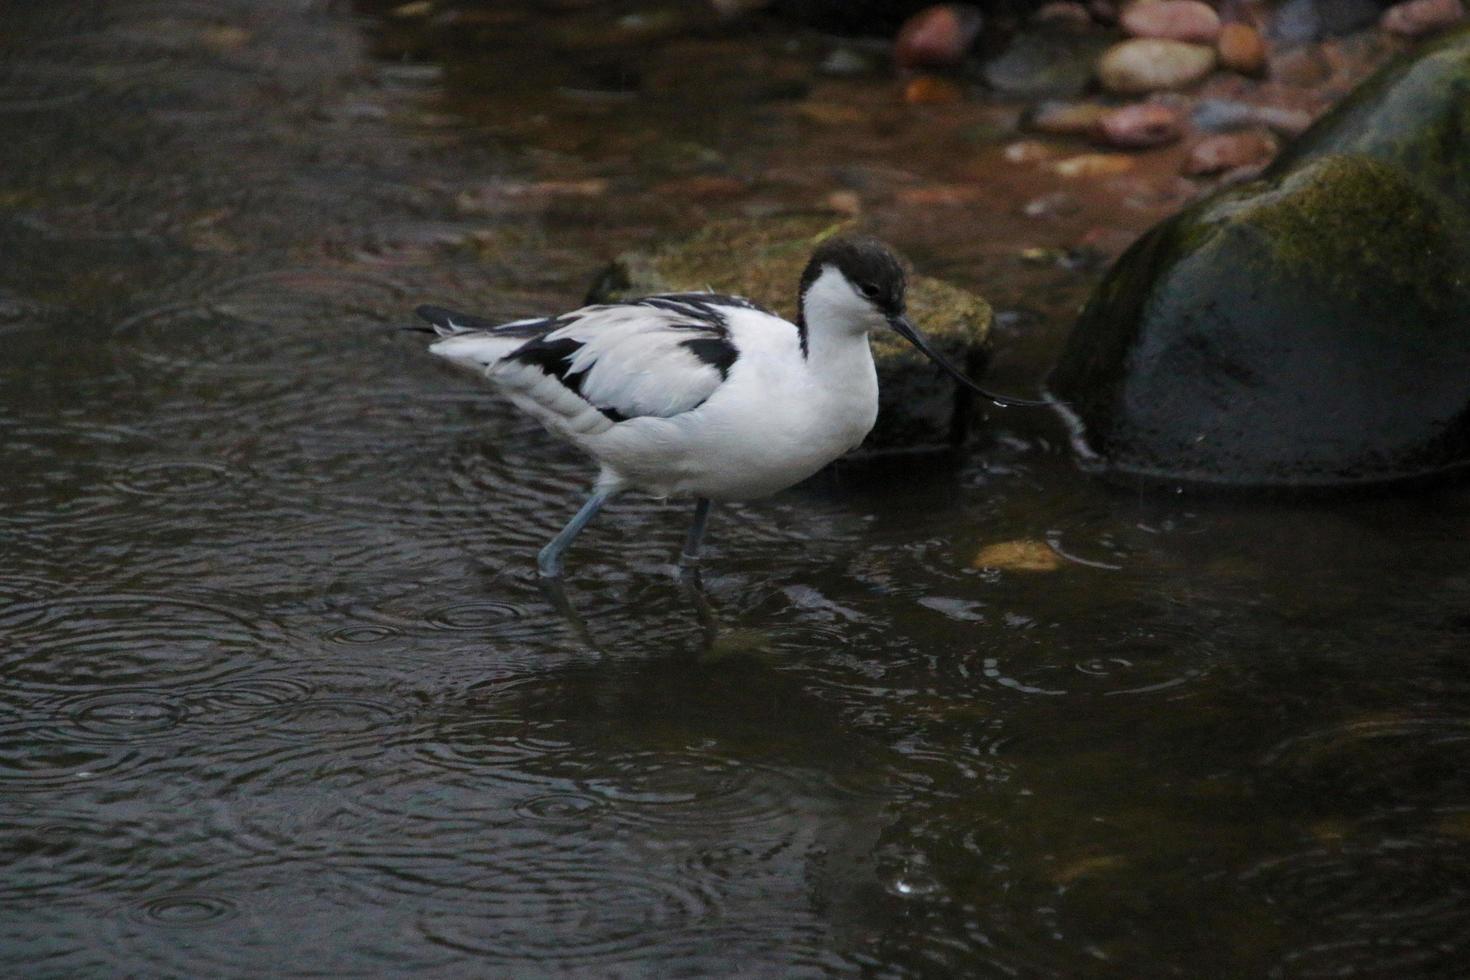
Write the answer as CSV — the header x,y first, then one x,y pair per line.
x,y
280,693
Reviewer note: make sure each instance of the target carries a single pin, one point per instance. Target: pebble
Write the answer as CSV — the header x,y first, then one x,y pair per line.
x,y
1066,118
1140,126
1028,151
1224,114
1043,61
1093,165
1072,15
1174,20
1018,556
845,63
932,90
937,37
1229,151
844,202
1152,64
1242,49
1418,17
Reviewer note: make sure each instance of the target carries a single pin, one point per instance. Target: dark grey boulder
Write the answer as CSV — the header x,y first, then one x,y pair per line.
x,y
1309,329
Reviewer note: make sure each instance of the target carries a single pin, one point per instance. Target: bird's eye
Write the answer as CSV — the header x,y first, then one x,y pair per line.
x,y
868,289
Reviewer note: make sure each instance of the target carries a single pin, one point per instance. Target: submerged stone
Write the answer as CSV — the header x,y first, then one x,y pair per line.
x,y
920,408
1311,328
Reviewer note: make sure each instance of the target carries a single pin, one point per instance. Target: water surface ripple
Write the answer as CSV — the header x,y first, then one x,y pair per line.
x,y
280,693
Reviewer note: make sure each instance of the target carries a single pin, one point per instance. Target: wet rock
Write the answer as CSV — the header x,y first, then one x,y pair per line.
x,y
1174,20
1217,115
1411,114
1140,126
1300,21
938,37
1309,329
1224,152
1045,62
1242,49
1419,17
1065,118
919,408
1024,555
1150,65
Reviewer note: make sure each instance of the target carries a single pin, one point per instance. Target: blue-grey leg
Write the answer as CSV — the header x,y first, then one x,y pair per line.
x,y
690,555
549,560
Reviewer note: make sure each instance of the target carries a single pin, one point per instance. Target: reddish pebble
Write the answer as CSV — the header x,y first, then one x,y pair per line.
x,y
1137,127
937,37
1173,20
1242,49
1229,151
1418,17
929,90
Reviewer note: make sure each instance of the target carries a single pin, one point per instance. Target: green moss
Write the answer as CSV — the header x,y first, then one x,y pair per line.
x,y
1357,228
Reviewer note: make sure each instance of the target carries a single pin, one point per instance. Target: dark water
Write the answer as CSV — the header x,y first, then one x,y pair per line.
x,y
280,695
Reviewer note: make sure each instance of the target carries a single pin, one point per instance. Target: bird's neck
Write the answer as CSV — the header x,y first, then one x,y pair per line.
x,y
834,351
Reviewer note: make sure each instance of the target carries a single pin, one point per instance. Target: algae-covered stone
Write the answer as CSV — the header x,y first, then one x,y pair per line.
x,y
1309,329
919,406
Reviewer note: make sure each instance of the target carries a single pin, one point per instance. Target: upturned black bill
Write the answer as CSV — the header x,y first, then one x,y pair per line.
x,y
909,332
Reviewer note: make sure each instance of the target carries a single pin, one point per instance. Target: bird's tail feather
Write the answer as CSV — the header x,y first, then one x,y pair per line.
x,y
449,323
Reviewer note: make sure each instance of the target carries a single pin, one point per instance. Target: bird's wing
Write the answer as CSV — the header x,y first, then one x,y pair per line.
x,y
659,356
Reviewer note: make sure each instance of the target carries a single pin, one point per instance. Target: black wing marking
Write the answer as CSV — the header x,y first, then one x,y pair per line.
x,y
659,356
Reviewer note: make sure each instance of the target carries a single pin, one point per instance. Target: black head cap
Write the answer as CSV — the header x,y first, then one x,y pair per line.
x,y
867,263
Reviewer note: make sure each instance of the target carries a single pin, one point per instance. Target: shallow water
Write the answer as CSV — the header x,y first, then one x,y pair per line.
x,y
281,694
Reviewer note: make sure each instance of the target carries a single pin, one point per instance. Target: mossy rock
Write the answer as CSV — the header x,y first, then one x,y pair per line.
x,y
920,408
1310,329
